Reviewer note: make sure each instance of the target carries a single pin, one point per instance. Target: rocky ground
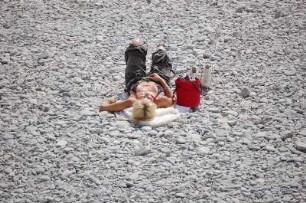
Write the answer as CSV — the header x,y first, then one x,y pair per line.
x,y
246,143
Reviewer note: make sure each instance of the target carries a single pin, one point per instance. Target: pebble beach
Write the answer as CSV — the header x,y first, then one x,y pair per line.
x,y
245,143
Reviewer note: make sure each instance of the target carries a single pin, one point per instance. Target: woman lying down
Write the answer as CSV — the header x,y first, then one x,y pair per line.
x,y
146,91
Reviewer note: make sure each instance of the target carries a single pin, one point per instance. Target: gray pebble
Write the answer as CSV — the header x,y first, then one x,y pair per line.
x,y
203,150
40,170
180,195
43,55
231,122
291,72
44,178
233,113
303,132
245,92
301,145
66,174
270,148
214,110
62,143
142,151
180,140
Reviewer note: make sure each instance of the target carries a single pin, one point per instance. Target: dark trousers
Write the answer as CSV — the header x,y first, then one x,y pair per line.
x,y
135,58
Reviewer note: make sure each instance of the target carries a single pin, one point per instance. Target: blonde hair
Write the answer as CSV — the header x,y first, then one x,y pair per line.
x,y
144,110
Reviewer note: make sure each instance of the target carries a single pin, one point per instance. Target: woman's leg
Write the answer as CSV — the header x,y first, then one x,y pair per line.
x,y
135,58
161,63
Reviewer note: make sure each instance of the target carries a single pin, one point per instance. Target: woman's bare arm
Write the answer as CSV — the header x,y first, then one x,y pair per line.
x,y
168,92
163,101
117,106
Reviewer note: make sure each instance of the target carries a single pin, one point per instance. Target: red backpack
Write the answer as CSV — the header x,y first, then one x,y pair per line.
x,y
188,92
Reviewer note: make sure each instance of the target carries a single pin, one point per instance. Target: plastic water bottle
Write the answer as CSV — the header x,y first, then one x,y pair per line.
x,y
206,77
193,72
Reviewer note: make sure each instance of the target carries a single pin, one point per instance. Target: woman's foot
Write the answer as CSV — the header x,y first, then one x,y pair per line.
x,y
136,42
161,46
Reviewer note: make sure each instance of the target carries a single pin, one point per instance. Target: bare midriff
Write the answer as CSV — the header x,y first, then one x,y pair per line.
x,y
146,90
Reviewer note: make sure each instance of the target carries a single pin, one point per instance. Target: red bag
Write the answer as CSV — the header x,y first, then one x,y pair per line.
x,y
188,92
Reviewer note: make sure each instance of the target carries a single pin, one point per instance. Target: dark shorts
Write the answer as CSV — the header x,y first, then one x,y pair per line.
x,y
135,58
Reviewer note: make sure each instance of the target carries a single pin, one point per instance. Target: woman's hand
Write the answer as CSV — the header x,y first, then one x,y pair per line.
x,y
155,77
102,108
106,102
111,100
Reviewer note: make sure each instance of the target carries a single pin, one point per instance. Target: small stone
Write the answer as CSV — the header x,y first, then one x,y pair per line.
x,y
43,55
142,151
44,178
260,180
203,150
303,132
94,179
298,110
206,56
33,101
240,9
146,128
287,135
6,157
231,122
254,147
100,38
78,80
246,141
233,113
278,14
211,42
226,39
45,109
133,136
301,145
214,58
40,62
68,149
62,143
40,170
245,92
180,140
5,59
214,110
6,25
128,184
287,198
270,148
8,170
290,72
180,195
195,137
4,185
88,112
66,174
